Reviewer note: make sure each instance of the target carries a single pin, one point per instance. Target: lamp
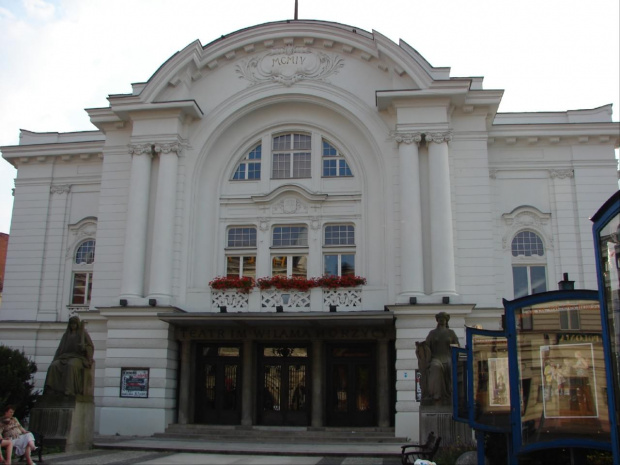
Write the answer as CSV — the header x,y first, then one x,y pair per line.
x,y
445,300
565,284
279,308
413,300
223,309
152,302
333,308
123,302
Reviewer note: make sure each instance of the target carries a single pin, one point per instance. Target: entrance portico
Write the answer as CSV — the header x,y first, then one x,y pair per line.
x,y
285,369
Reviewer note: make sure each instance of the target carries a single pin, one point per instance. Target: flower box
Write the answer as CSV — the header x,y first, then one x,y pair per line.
x,y
243,284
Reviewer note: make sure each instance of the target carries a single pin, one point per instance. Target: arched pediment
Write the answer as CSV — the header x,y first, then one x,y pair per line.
x,y
285,197
285,53
527,217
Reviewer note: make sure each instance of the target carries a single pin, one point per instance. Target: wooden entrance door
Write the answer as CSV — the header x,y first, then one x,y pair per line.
x,y
284,385
218,384
351,385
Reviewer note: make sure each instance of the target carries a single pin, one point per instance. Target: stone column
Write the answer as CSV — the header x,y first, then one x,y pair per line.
x,y
137,221
442,242
184,382
411,263
160,282
247,384
383,389
317,383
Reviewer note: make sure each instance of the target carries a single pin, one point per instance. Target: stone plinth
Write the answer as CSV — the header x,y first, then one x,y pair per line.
x,y
67,422
439,419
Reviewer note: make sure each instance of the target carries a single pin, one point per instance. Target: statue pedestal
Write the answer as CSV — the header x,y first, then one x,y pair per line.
x,y
438,418
67,422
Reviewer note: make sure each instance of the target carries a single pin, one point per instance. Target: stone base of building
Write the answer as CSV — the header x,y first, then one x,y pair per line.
x,y
439,419
66,422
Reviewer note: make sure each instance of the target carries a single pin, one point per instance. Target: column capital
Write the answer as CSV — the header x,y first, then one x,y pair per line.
x,y
170,147
60,188
403,137
438,137
141,149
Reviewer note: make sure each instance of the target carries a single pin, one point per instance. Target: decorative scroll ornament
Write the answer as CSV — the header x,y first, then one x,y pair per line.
x,y
60,188
289,206
289,65
562,174
407,137
438,137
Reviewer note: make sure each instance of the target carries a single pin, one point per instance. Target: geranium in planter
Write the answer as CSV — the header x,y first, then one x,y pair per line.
x,y
242,284
295,283
333,282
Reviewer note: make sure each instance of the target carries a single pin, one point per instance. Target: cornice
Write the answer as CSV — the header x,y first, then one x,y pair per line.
x,y
45,153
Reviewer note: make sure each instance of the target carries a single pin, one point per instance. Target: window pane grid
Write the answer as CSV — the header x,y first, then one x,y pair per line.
x,y
340,235
301,165
82,288
281,165
247,170
85,254
527,243
334,164
242,237
286,236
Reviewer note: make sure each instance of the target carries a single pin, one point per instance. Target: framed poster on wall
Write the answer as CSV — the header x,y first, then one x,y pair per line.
x,y
135,382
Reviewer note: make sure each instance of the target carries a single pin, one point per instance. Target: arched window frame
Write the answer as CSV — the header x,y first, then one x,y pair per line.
x,y
249,168
82,273
334,163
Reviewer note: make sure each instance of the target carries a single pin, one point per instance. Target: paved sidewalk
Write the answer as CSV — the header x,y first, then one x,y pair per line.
x,y
117,450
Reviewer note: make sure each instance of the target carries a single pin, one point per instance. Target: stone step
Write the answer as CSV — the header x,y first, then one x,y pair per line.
x,y
282,434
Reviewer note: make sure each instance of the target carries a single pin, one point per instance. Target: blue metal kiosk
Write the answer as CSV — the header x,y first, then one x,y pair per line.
x,y
550,379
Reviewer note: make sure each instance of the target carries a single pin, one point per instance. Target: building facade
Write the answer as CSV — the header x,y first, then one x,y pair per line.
x,y
292,149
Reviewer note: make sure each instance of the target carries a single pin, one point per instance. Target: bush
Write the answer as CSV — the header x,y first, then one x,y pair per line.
x,y
17,386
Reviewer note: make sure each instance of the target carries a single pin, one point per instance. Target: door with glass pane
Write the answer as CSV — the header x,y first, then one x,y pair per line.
x,y
284,385
351,389
218,384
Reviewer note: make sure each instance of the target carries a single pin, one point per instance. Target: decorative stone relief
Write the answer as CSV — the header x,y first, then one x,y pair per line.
x,y
561,174
172,147
315,223
288,299
60,189
342,297
527,217
85,229
289,206
289,65
263,224
438,137
141,149
233,300
407,137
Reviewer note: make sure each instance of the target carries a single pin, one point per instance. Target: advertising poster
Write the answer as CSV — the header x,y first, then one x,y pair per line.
x,y
135,382
499,392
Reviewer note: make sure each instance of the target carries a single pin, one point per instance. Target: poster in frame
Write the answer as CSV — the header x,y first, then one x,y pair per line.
x,y
499,389
135,382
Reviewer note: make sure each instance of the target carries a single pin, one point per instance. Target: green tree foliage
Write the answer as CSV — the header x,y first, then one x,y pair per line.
x,y
16,382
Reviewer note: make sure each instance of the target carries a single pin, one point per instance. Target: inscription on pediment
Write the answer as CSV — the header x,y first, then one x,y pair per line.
x,y
289,65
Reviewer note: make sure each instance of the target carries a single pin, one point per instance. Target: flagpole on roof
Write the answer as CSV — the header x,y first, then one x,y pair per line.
x,y
295,10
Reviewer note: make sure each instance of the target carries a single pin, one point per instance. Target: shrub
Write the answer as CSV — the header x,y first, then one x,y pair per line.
x,y
17,385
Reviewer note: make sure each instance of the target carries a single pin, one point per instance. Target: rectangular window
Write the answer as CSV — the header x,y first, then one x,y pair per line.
x,y
569,319
340,235
242,237
82,288
242,265
291,156
339,265
290,236
289,265
528,280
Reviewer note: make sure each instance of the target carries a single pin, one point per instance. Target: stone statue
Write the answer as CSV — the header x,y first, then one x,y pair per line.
x,y
435,362
70,373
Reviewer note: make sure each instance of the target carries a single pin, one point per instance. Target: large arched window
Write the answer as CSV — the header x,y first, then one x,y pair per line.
x,y
82,282
529,270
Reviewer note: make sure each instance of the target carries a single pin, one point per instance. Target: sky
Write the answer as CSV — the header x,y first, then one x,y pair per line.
x,y
58,57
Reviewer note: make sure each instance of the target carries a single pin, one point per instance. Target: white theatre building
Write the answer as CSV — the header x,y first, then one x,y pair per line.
x,y
294,148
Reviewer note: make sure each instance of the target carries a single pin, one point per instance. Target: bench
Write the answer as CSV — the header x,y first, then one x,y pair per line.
x,y
411,452
38,442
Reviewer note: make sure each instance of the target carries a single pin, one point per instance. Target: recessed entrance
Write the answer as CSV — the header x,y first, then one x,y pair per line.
x,y
351,385
283,385
218,384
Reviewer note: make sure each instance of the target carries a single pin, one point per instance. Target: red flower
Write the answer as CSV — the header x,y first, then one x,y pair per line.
x,y
333,282
296,283
243,284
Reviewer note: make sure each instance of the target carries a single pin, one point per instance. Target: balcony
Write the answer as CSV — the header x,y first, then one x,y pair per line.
x,y
313,300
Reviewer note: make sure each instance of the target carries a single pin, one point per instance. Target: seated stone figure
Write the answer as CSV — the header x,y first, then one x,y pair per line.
x,y
70,373
435,362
